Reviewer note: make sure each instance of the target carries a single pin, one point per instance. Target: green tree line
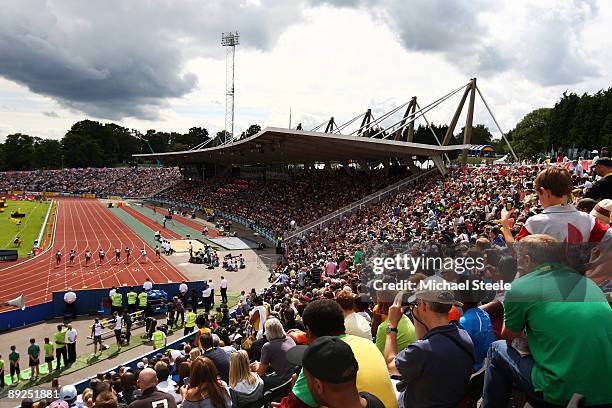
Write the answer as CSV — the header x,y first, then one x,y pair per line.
x,y
575,122
93,144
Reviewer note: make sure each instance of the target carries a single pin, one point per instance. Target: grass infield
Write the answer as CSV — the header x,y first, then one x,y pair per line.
x,y
35,212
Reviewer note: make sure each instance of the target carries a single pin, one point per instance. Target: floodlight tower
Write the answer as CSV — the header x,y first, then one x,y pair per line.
x,y
230,40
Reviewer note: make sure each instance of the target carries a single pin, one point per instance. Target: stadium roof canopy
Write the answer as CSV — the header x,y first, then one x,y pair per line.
x,y
280,146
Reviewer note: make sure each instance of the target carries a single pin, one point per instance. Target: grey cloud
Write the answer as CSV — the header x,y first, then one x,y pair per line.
x,y
114,59
549,50
51,114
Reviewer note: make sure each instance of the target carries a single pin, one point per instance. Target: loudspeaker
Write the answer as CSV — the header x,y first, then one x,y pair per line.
x,y
18,302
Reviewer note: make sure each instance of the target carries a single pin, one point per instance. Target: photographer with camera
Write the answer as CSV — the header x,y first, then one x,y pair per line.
x,y
442,350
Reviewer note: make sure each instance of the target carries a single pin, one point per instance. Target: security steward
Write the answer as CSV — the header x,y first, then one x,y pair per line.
x,y
159,339
116,302
132,300
143,301
189,322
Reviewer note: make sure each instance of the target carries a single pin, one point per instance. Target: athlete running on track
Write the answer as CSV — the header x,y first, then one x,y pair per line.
x,y
157,251
87,257
101,254
58,257
128,253
144,254
71,256
117,255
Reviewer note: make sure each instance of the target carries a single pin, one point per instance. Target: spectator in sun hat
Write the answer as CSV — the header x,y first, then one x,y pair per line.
x,y
333,385
69,394
602,188
602,211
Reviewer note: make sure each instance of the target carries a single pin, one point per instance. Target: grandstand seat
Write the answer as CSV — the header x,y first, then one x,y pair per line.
x,y
277,393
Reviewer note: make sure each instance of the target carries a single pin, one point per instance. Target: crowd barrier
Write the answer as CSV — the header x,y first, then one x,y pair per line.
x,y
89,301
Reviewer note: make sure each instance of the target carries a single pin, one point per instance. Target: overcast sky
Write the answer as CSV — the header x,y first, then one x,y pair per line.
x,y
159,64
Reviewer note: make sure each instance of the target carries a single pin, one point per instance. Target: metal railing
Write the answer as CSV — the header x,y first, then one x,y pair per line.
x,y
378,195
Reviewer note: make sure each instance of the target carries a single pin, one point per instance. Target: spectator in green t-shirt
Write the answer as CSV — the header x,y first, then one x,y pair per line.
x,y
48,346
568,324
34,355
14,365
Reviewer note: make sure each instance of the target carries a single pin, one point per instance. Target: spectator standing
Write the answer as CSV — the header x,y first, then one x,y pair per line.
x,y
48,347
127,319
14,365
179,307
34,359
96,335
147,285
61,352
223,287
71,343
151,397
2,384
207,298
118,328
70,300
211,285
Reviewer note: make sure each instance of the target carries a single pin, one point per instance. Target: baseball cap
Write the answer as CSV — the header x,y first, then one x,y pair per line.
x,y
140,365
317,356
68,393
602,211
434,289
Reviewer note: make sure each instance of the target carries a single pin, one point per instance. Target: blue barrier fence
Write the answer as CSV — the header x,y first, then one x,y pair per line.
x,y
88,301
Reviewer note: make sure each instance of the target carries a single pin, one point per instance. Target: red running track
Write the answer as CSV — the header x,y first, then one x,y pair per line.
x,y
165,232
192,224
84,224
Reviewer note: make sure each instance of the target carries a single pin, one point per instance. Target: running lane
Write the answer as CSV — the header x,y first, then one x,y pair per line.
x,y
148,222
185,221
84,224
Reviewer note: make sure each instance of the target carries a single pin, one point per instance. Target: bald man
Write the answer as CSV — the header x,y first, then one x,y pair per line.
x,y
151,396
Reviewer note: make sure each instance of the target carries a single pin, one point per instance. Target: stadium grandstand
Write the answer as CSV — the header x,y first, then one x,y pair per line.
x,y
399,278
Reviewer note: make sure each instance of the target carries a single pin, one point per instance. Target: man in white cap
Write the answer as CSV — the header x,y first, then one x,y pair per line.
x,y
69,394
70,299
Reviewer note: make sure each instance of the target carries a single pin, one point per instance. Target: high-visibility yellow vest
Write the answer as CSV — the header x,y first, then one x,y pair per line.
x,y
132,297
191,318
60,337
117,299
142,299
158,339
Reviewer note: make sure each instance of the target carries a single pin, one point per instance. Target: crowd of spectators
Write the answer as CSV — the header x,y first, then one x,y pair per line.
x,y
335,331
274,204
133,182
